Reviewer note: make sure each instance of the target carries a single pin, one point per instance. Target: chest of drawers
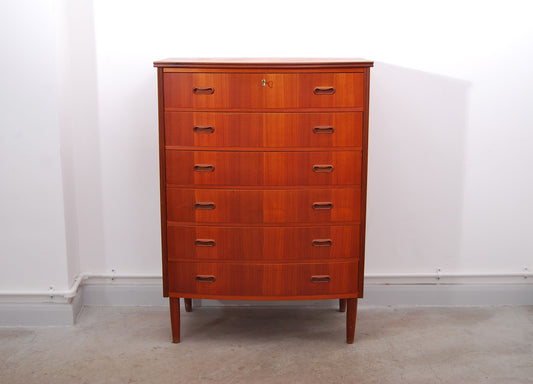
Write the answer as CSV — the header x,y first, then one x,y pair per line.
x,y
263,180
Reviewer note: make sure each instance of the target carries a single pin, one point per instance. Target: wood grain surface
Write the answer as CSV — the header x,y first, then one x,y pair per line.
x,y
244,206
246,168
257,131
255,280
260,244
246,90
263,173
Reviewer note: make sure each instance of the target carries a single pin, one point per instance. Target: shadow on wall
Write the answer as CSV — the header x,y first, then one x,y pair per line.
x,y
80,141
416,170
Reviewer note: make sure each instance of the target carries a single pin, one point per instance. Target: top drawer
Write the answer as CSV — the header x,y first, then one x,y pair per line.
x,y
242,91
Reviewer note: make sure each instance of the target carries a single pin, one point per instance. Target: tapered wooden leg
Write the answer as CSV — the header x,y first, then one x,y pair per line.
x,y
175,318
351,314
342,305
188,305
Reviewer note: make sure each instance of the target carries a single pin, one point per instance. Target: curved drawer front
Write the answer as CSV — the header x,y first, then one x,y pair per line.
x,y
263,130
262,243
265,280
235,168
263,206
263,91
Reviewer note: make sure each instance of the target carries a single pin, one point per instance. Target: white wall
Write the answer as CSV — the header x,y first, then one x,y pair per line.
x,y
32,221
450,127
450,124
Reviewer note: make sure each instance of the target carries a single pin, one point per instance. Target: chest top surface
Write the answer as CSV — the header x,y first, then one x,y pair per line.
x,y
259,63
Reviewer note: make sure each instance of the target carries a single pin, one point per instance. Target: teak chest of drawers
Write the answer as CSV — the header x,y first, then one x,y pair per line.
x,y
263,180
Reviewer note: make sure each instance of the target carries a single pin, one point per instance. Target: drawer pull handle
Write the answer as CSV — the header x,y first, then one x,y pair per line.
x,y
203,129
328,168
206,278
203,90
319,130
322,243
204,206
324,91
205,243
204,168
324,205
320,279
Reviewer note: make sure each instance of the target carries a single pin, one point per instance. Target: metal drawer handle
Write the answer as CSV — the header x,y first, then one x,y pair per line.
x,y
204,168
203,129
205,243
323,168
324,91
206,278
322,205
202,205
322,243
203,90
319,130
320,279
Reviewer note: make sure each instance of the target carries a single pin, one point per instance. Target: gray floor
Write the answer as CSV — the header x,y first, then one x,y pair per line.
x,y
267,345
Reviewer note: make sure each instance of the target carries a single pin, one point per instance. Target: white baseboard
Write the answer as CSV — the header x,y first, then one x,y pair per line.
x,y
149,292
448,294
130,294
416,294
33,312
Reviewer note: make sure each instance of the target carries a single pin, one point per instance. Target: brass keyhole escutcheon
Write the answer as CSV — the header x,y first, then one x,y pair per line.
x,y
265,83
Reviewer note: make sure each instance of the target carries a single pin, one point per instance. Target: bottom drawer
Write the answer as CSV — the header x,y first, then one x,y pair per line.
x,y
262,281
